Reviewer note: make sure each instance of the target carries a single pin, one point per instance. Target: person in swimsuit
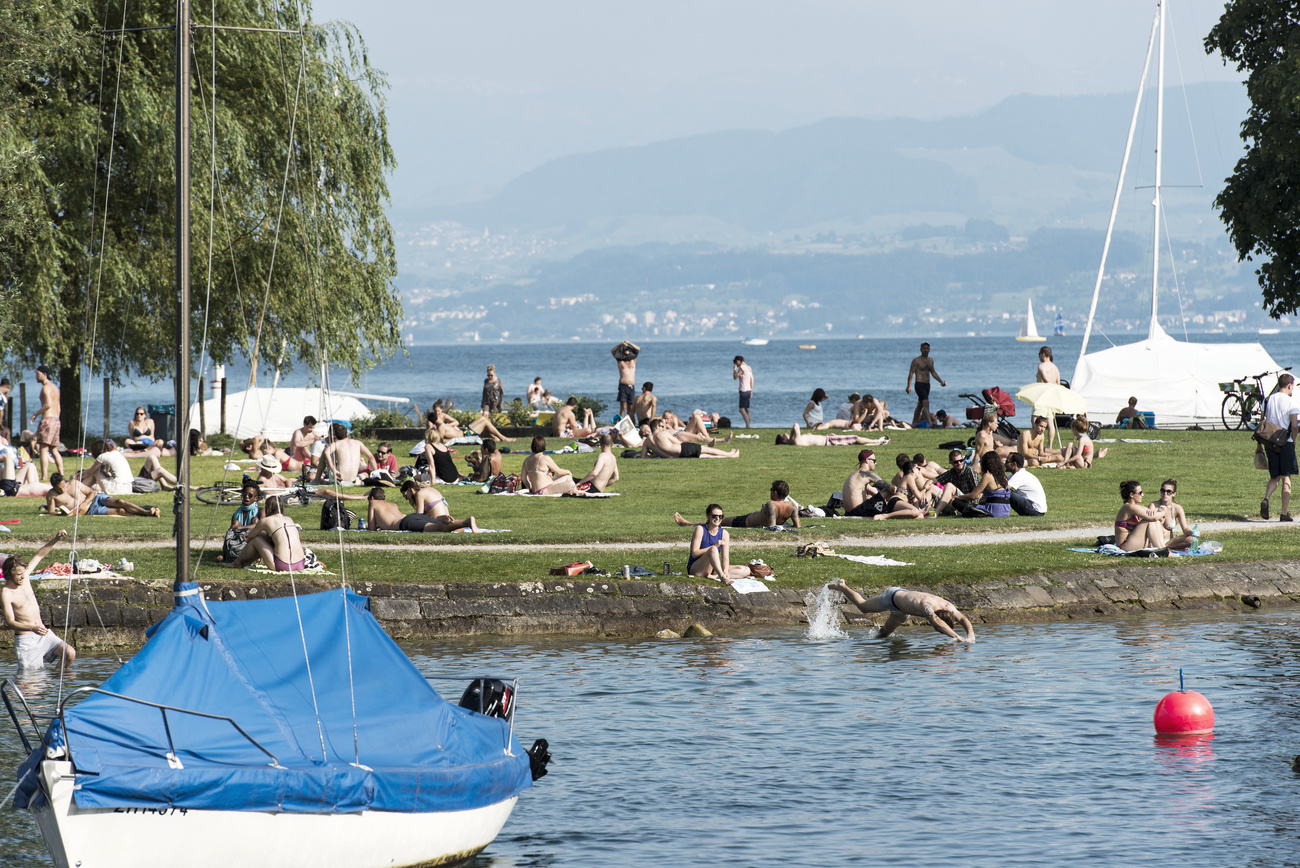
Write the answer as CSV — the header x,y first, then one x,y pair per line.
x,y
710,556
1137,526
487,465
382,515
605,473
643,408
922,368
1172,517
74,497
34,643
542,475
745,374
662,443
565,421
625,353
942,615
275,540
429,502
47,433
140,430
438,458
913,483
796,438
1080,454
775,513
1033,445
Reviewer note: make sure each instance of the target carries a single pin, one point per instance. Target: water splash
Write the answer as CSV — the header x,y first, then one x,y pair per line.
x,y
825,620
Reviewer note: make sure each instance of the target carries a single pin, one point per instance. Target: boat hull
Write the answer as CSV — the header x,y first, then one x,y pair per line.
x,y
1033,339
130,837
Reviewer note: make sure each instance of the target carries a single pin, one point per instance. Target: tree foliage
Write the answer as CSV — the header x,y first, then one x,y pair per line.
x,y
289,159
1260,202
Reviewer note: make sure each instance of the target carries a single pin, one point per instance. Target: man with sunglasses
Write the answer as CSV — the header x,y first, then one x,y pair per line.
x,y
385,459
959,478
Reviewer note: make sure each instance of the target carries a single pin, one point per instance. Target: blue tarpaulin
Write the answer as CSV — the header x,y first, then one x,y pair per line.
x,y
245,660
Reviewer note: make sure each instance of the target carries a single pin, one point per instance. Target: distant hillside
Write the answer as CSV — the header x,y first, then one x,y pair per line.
x,y
1027,162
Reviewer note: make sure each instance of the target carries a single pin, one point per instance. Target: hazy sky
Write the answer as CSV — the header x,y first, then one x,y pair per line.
x,y
482,92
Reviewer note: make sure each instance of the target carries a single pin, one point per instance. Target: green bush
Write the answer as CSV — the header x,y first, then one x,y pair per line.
x,y
597,406
519,414
383,418
463,417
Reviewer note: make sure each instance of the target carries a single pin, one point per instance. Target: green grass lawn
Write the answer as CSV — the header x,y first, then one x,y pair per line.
x,y
1216,482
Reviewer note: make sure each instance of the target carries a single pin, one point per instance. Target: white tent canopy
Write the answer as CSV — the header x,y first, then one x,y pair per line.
x,y
1177,381
277,412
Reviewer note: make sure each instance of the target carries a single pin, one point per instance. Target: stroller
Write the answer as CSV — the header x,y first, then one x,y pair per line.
x,y
994,400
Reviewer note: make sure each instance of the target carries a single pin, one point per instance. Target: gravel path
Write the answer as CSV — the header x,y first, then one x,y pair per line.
x,y
1082,534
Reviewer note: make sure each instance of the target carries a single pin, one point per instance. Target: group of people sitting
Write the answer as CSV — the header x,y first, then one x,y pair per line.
x,y
863,412
1161,526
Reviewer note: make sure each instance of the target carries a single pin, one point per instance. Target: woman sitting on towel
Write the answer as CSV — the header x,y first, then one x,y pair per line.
x,y
1137,526
1172,516
711,550
139,431
437,458
275,540
1080,454
991,498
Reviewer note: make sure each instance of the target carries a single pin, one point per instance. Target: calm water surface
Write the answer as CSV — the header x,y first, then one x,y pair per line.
x,y
1032,747
697,374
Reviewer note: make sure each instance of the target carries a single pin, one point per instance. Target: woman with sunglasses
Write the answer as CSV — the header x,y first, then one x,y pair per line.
x,y
140,430
1172,516
1137,526
711,550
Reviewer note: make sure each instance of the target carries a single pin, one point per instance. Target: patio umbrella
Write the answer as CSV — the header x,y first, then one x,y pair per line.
x,y
1048,398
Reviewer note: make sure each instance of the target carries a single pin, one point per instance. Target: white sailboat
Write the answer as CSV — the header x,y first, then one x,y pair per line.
x,y
265,733
1177,380
1029,328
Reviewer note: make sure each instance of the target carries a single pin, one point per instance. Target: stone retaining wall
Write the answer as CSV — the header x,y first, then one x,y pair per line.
x,y
116,612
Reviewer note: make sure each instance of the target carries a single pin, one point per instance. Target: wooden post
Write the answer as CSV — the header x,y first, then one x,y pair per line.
x,y
203,415
223,405
106,408
22,405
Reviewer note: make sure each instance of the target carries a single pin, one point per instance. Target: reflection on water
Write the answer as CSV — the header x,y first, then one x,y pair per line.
x,y
771,747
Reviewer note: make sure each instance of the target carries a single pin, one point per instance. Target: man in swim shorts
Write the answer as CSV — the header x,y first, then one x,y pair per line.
x,y
745,374
662,444
34,643
922,368
899,604
47,433
74,497
625,354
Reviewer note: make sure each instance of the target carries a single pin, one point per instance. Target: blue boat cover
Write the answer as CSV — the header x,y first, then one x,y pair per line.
x,y
413,750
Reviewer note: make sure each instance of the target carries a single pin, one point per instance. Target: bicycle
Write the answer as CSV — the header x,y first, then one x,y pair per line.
x,y
298,494
1243,405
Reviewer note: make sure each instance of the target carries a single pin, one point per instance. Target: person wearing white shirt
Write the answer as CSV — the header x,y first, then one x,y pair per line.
x,y
1282,410
112,473
1027,495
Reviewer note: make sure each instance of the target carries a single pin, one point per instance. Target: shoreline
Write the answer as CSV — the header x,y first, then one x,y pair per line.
x,y
114,613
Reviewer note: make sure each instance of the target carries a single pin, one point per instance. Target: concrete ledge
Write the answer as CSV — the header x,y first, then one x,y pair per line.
x,y
115,612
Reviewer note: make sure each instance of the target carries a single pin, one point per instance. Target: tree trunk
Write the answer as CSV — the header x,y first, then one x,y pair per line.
x,y
70,401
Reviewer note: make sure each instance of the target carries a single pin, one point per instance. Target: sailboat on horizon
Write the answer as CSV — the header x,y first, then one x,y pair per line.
x,y
1177,380
1029,328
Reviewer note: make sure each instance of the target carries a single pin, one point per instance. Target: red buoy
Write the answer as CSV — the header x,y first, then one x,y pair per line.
x,y
1184,713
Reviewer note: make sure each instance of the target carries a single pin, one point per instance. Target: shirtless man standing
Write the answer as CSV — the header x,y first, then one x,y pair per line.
x,y
1032,445
922,368
275,540
1048,373
745,374
643,408
542,475
47,434
34,644
605,473
941,614
74,497
625,354
862,483
343,456
431,510
664,444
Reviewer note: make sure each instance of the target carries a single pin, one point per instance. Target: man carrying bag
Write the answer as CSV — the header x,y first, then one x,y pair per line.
x,y
1280,416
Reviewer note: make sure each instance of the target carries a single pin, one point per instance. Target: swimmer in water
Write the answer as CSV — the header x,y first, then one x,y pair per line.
x,y
899,604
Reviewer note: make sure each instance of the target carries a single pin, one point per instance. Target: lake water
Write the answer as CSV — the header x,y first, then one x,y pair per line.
x,y
1033,746
697,374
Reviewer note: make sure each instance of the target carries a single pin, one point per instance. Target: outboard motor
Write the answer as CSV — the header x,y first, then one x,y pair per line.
x,y
489,696
539,757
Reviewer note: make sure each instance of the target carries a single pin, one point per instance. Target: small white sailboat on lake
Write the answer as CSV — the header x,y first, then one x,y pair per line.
x,y
1029,328
265,733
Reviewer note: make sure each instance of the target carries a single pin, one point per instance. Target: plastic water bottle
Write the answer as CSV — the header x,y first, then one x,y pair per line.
x,y
1196,538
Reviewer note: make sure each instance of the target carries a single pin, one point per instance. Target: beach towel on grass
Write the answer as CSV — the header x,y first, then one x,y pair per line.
x,y
587,494
873,560
314,571
778,528
1209,547
382,530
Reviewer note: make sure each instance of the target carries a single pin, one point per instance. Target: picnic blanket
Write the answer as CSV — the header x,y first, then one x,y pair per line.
x,y
873,560
1127,440
1209,547
778,528
314,571
521,493
382,530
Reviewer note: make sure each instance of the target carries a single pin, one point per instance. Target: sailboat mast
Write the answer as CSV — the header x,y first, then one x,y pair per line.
x,y
1154,329
183,290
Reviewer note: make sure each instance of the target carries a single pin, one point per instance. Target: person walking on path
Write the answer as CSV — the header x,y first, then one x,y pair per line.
x,y
900,604
47,433
1282,410
745,374
922,368
625,354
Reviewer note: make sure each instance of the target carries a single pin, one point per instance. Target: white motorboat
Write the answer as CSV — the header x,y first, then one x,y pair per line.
x,y
755,342
266,733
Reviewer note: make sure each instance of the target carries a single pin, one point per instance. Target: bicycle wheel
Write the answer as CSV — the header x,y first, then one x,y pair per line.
x,y
220,495
302,497
1234,413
